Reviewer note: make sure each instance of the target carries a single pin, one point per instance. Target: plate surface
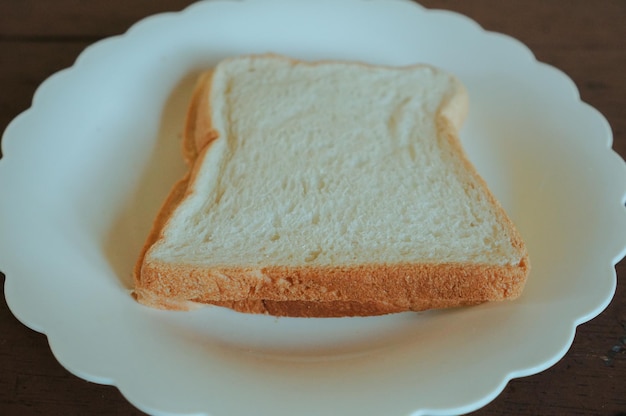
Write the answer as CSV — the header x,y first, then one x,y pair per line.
x,y
87,167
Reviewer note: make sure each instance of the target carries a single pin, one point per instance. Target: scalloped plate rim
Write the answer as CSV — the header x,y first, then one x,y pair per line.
x,y
31,113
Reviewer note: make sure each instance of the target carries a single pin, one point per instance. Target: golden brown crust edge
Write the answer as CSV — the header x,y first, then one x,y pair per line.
x,y
193,127
405,286
319,292
447,129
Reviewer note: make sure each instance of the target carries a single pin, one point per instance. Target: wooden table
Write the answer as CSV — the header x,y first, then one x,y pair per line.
x,y
585,39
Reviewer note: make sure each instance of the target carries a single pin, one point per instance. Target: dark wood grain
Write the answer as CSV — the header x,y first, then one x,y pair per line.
x,y
585,39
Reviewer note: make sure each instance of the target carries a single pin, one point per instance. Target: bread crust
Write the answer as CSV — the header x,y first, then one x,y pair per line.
x,y
328,291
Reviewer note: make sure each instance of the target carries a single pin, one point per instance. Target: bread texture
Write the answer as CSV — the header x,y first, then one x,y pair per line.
x,y
328,189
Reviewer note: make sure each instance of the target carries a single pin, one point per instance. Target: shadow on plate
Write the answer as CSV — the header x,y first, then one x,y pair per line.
x,y
165,166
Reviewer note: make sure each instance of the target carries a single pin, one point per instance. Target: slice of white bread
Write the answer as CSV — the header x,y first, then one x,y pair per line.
x,y
328,189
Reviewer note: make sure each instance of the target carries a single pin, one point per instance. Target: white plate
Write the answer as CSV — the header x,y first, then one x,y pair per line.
x,y
86,168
